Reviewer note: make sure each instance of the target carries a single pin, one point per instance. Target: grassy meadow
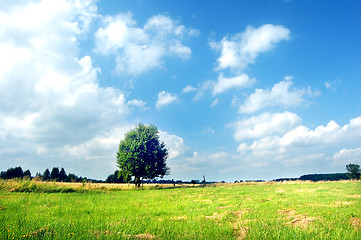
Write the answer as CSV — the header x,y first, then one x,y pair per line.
x,y
286,210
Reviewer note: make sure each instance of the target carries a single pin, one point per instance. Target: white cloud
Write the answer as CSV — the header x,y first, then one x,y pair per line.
x,y
215,102
288,78
333,85
165,98
222,84
311,150
295,141
53,111
243,48
280,94
188,89
264,125
137,103
240,81
137,49
175,144
346,156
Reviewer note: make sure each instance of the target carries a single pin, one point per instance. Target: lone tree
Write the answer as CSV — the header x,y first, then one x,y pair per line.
x,y
141,154
353,171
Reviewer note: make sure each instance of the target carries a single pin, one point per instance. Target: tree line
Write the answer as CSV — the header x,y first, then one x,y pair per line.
x,y
54,175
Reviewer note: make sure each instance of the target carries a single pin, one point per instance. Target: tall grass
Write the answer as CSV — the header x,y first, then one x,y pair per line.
x,y
297,210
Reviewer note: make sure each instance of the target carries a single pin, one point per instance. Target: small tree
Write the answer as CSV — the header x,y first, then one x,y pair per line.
x,y
353,171
141,154
46,175
116,177
54,175
62,175
14,173
27,174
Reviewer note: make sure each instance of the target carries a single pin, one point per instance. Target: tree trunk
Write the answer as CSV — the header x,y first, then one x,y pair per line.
x,y
137,182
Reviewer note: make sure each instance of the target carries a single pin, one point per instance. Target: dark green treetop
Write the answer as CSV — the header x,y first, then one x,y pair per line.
x,y
353,171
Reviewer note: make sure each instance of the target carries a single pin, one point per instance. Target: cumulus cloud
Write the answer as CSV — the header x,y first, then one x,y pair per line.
x,y
138,103
165,98
139,49
223,84
301,137
297,145
243,48
346,156
175,145
265,124
281,94
53,111
188,89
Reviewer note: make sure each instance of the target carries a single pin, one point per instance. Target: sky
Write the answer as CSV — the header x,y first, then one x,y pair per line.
x,y
239,90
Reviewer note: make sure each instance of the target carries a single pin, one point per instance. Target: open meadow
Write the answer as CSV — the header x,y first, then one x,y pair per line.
x,y
270,210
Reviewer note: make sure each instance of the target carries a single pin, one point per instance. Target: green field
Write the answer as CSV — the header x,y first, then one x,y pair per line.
x,y
288,210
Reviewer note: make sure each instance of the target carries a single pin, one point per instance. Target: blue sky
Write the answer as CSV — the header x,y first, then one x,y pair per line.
x,y
238,89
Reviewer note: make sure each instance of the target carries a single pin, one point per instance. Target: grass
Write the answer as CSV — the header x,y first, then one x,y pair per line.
x,y
289,210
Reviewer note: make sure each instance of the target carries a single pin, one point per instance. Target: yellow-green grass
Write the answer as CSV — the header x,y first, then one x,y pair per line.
x,y
291,210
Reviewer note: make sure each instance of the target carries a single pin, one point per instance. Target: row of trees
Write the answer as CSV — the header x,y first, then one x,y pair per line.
x,y
54,175
16,172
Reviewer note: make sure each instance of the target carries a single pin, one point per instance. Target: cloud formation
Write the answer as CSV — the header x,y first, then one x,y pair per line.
x,y
294,141
264,125
243,48
165,98
53,111
281,94
239,81
139,49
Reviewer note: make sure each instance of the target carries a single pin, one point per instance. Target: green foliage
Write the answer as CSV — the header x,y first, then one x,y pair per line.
x,y
54,175
62,175
46,175
353,171
116,177
16,172
324,177
142,155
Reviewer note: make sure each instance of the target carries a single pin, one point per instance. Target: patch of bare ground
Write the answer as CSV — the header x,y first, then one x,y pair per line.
x,y
356,223
144,236
178,218
240,232
240,227
287,212
241,212
342,203
336,204
99,234
217,216
310,190
296,220
301,221
354,196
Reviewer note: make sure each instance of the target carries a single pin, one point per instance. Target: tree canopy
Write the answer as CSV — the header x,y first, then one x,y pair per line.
x,y
142,155
353,171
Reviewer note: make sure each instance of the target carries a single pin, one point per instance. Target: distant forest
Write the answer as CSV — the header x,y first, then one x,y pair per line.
x,y
61,176
54,175
318,177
